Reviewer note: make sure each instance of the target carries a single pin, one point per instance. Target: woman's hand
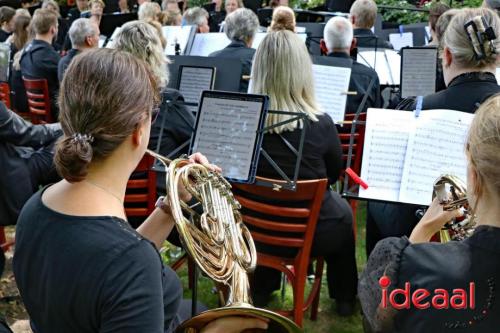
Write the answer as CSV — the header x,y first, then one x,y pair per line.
x,y
234,324
434,219
198,158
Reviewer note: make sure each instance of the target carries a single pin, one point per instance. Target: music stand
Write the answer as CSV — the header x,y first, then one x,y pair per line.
x,y
265,16
109,22
314,32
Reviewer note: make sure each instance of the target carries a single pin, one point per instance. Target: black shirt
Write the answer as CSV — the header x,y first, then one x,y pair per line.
x,y
361,76
73,14
367,39
39,61
238,50
321,158
64,63
4,35
215,19
432,266
90,274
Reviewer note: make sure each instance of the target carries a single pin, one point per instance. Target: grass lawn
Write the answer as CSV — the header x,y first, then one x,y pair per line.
x,y
328,320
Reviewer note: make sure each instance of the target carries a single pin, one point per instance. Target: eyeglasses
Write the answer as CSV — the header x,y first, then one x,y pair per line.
x,y
154,115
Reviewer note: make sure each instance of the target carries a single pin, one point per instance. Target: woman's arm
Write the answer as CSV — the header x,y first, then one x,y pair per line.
x,y
333,155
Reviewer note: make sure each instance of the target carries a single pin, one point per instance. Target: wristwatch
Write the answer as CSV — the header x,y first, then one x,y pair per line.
x,y
165,207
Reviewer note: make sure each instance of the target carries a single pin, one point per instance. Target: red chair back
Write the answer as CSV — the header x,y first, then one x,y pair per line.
x,y
289,222
5,94
140,197
359,140
37,92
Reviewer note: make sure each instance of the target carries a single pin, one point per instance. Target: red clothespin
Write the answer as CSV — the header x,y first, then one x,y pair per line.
x,y
356,178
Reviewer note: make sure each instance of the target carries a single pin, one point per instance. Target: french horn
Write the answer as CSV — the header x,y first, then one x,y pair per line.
x,y
451,192
217,241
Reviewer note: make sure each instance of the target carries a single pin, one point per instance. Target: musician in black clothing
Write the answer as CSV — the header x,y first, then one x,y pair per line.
x,y
338,41
363,14
469,75
74,13
39,60
6,22
240,27
283,71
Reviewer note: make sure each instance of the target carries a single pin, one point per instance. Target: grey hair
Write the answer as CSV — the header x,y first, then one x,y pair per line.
x,y
242,24
46,3
149,11
282,69
365,12
195,16
457,41
338,33
141,39
81,29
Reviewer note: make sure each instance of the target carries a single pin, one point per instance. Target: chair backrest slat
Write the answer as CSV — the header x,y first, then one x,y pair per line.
x,y
37,91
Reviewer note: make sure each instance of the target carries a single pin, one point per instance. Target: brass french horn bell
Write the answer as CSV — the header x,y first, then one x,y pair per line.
x,y
217,240
451,192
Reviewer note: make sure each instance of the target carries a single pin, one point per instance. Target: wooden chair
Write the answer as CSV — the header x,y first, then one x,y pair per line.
x,y
4,243
299,234
5,94
37,92
357,153
140,197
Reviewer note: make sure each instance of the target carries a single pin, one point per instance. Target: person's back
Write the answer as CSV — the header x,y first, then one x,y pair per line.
x,y
363,14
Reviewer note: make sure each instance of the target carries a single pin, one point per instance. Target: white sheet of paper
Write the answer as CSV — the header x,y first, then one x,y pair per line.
x,y
386,63
226,134
204,44
193,81
497,75
102,40
427,34
419,72
330,85
386,138
176,34
399,41
435,147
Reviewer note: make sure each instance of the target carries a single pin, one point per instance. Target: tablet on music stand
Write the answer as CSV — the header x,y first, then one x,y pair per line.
x,y
228,131
193,80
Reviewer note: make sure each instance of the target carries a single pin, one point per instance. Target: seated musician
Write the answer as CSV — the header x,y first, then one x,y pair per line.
x,y
217,15
449,266
78,264
338,42
283,18
198,17
283,71
469,73
176,120
362,15
241,27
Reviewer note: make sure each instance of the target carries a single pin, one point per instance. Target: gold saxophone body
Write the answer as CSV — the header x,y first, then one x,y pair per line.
x,y
217,240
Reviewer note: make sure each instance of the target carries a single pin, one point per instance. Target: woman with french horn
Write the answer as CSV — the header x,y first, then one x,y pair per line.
x,y
78,264
447,287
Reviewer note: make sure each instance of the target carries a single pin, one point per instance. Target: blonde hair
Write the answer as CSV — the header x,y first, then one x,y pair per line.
x,y
283,18
149,11
141,39
465,50
483,144
282,69
365,12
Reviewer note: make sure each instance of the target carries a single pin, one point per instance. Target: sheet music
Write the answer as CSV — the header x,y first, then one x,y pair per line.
x,y
419,72
436,147
330,85
176,34
386,139
497,75
226,134
193,81
399,40
386,63
427,34
204,44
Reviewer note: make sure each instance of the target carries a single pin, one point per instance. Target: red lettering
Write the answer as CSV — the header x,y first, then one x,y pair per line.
x,y
472,295
418,296
406,293
384,298
459,299
440,299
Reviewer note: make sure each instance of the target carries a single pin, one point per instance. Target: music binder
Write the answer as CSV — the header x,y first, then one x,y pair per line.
x,y
418,71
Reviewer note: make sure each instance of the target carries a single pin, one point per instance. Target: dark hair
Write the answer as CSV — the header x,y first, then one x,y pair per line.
x,y
437,9
104,95
6,14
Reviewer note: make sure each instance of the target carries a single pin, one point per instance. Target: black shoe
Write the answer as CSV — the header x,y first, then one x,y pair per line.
x,y
345,308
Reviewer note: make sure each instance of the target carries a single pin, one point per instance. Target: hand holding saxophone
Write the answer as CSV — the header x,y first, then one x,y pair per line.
x,y
434,219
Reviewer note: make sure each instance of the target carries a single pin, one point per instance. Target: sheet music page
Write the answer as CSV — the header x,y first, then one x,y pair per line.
x,y
176,34
330,85
204,44
419,72
427,34
497,75
193,81
258,39
386,63
436,147
399,40
393,64
226,134
386,139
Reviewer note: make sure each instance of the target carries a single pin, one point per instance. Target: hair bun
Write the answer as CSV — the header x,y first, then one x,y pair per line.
x,y
73,155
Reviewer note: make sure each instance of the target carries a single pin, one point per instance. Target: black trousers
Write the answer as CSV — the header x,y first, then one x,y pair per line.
x,y
334,240
388,220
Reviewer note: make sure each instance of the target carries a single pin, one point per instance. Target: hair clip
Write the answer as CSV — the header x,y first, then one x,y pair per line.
x,y
82,138
477,37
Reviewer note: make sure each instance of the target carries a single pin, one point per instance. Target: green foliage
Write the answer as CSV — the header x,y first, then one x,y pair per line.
x,y
402,16
197,3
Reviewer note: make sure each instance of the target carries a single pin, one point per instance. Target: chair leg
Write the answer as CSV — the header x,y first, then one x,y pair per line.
x,y
317,279
298,297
